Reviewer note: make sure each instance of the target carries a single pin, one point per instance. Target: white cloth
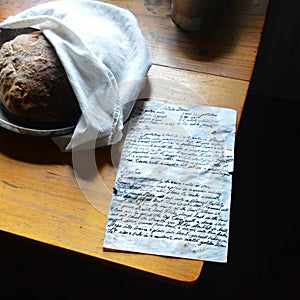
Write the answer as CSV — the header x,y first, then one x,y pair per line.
x,y
105,57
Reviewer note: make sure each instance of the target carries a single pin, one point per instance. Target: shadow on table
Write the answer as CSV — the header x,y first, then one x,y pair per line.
x,y
42,150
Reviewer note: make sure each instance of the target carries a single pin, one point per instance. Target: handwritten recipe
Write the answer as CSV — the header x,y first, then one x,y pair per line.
x,y
173,188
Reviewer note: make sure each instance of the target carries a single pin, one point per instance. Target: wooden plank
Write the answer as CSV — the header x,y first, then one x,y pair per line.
x,y
225,52
196,88
220,53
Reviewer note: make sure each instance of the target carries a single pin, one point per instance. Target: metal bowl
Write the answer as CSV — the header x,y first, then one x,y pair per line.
x,y
9,125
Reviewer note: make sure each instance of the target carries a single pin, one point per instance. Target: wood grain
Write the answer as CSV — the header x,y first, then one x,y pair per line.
x,y
229,51
44,197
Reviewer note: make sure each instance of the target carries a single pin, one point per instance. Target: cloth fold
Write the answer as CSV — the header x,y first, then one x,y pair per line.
x,y
106,60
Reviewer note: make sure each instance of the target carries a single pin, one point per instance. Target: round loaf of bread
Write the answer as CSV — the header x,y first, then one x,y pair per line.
x,y
34,88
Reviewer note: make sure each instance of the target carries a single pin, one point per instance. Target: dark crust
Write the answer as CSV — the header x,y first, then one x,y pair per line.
x,y
34,87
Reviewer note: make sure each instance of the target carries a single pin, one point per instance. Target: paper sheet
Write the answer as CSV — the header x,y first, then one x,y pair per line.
x,y
173,188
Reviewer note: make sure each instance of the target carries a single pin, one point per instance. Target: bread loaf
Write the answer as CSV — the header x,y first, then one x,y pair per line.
x,y
34,88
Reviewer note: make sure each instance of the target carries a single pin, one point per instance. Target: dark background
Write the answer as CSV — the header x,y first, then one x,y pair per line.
x,y
263,260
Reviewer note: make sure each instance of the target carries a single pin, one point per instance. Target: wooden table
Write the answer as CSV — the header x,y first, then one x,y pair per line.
x,y
41,199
